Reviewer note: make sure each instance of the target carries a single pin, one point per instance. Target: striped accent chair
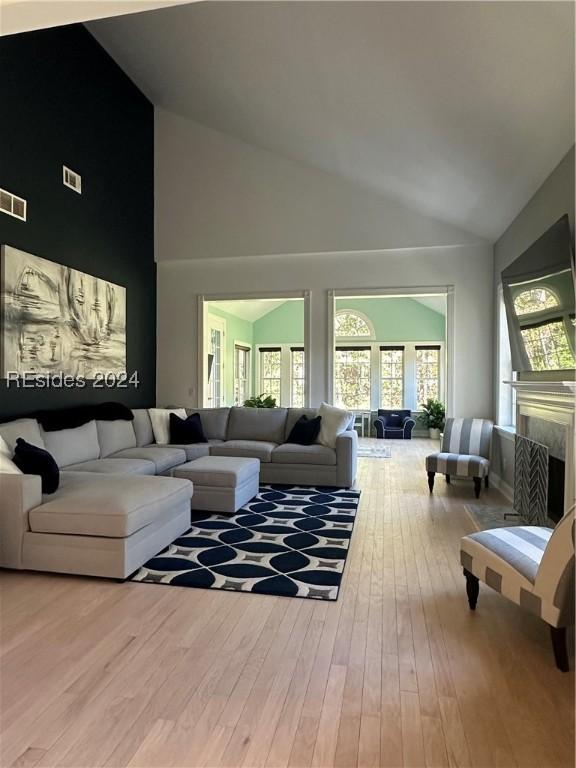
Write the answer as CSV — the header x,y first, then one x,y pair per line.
x,y
465,452
531,566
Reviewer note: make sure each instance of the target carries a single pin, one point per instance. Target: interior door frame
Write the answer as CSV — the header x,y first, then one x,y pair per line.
x,y
408,292
204,299
220,324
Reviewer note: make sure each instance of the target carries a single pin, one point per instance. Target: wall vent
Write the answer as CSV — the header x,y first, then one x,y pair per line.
x,y
12,205
72,179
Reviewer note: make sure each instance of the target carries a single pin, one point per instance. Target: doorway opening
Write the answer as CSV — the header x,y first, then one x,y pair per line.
x,y
254,347
391,352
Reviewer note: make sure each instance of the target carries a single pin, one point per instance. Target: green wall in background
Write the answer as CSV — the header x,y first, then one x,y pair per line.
x,y
399,319
284,325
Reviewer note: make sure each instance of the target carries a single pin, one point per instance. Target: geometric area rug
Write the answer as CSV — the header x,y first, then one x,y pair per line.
x,y
288,540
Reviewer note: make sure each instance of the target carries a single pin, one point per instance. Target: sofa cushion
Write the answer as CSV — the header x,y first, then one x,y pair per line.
x,y
71,446
296,413
27,429
195,450
219,471
164,457
214,421
111,466
115,506
291,453
250,449
266,424
142,426
32,460
114,436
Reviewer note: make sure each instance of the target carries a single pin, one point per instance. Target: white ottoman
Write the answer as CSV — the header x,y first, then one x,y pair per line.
x,y
221,483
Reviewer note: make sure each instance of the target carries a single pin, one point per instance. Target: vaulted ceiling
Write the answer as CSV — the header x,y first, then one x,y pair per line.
x,y
457,109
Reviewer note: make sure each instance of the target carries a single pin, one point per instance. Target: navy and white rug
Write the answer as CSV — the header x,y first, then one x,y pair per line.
x,y
289,540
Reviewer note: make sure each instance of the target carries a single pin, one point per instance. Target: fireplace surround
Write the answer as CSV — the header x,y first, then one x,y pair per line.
x,y
546,413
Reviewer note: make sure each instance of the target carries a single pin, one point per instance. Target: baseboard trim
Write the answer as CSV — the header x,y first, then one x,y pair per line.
x,y
503,487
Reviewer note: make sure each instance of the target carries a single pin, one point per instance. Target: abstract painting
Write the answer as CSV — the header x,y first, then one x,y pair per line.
x,y
55,319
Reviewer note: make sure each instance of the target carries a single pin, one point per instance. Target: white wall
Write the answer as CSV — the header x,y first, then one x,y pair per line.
x,y
552,200
24,15
469,269
218,196
231,218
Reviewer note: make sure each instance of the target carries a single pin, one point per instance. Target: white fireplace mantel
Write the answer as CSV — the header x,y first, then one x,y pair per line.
x,y
553,401
550,387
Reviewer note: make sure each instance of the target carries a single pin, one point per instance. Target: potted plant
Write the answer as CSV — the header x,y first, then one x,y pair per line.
x,y
434,416
260,401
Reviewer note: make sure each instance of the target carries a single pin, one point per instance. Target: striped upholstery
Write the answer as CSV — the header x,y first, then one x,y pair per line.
x,y
469,436
457,464
531,566
465,449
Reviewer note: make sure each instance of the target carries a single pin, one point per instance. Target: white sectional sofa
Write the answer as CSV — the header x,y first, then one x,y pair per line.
x,y
261,433
107,517
117,505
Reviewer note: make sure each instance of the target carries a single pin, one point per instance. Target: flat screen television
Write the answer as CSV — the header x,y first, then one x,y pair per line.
x,y
538,292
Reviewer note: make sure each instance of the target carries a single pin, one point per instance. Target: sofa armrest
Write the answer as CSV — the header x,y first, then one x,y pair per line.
x,y
379,424
346,457
408,426
18,495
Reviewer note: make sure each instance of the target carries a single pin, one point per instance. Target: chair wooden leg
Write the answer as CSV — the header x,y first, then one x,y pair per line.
x,y
558,635
477,486
448,479
472,589
486,482
431,476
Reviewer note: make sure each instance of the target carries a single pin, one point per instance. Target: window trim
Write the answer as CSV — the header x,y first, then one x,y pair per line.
x,y
537,287
202,304
410,399
506,395
437,348
258,374
293,349
353,346
363,317
412,291
285,371
393,348
220,324
238,344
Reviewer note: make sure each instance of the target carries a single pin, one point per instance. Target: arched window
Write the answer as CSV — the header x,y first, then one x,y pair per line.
x,y
535,300
351,324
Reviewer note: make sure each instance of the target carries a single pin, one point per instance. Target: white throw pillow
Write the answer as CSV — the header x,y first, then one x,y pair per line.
x,y
160,418
7,465
334,422
5,448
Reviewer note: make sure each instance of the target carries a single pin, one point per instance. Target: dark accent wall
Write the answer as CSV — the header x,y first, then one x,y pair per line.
x,y
64,101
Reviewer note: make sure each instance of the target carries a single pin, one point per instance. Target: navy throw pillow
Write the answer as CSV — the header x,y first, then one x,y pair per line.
x,y
305,431
36,461
186,431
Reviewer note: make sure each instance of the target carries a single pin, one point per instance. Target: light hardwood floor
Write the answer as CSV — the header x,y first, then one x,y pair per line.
x,y
397,672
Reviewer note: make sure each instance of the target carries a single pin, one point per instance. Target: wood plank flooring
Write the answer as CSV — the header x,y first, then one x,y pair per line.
x,y
397,672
